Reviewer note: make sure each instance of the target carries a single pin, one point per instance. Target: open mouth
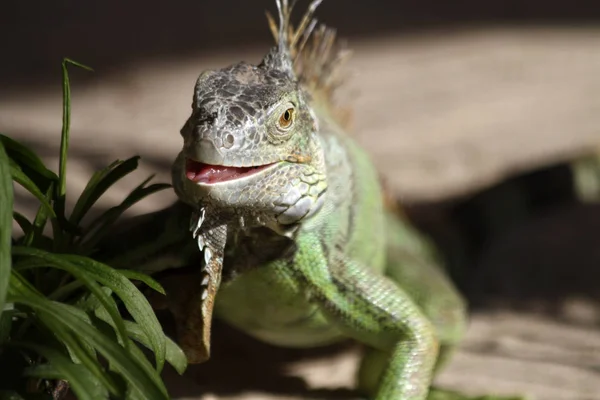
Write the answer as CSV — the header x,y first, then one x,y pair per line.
x,y
206,173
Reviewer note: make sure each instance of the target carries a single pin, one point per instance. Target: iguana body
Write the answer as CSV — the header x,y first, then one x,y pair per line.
x,y
290,216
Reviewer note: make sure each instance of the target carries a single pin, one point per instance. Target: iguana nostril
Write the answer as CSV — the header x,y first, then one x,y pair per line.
x,y
228,142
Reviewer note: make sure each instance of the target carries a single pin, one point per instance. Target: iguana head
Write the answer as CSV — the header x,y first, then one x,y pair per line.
x,y
251,147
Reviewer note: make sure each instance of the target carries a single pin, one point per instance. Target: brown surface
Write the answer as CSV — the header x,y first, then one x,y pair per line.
x,y
504,353
442,114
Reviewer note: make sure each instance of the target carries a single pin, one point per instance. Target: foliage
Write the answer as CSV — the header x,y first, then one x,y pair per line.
x,y
65,317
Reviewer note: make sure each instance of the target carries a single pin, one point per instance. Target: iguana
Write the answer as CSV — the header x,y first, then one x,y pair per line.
x,y
300,247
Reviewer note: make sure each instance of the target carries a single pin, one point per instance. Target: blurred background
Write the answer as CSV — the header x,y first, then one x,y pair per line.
x,y
484,118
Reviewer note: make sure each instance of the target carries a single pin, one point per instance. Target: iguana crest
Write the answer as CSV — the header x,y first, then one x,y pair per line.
x,y
310,53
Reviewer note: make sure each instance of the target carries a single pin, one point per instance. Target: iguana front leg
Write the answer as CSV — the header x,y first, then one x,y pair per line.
x,y
193,312
372,309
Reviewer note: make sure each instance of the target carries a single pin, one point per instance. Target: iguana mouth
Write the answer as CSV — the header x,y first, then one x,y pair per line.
x,y
206,173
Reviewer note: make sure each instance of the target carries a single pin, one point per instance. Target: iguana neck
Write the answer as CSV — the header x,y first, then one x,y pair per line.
x,y
249,248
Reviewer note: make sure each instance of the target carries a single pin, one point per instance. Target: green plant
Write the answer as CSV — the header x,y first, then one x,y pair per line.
x,y
68,321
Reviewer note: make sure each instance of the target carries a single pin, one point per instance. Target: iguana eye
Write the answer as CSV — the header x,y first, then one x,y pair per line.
x,y
286,119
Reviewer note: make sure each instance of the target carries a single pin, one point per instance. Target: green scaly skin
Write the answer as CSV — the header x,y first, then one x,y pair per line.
x,y
301,251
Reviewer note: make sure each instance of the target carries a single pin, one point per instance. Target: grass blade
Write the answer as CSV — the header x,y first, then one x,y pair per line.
x,y
174,355
100,182
61,262
150,242
112,214
6,324
80,351
104,222
68,317
66,126
6,210
29,163
135,374
90,271
23,180
65,290
39,222
141,360
23,222
82,381
135,302
21,289
148,280
26,158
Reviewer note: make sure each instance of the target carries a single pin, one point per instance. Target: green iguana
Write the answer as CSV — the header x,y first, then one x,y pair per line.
x,y
299,247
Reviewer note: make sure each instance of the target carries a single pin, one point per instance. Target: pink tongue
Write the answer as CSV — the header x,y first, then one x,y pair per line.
x,y
206,173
